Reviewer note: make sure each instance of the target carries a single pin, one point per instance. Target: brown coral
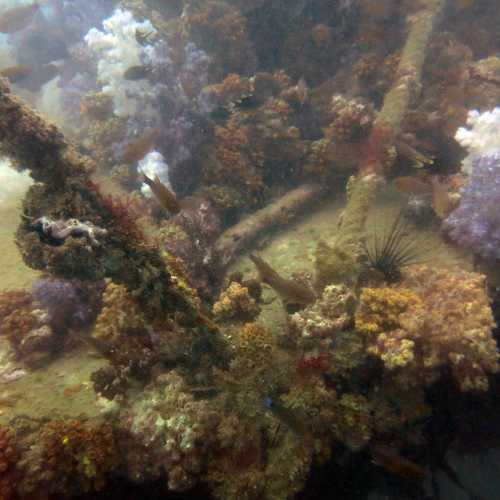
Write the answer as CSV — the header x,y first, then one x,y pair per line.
x,y
78,457
16,315
9,473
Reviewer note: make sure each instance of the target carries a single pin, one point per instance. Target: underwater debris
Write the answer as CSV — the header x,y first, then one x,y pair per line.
x,y
292,293
395,249
240,236
18,18
323,379
56,231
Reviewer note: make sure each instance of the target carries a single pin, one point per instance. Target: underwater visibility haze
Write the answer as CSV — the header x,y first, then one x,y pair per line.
x,y
250,249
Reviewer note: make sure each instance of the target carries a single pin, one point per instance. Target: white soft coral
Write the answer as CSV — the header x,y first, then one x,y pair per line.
x,y
482,135
119,50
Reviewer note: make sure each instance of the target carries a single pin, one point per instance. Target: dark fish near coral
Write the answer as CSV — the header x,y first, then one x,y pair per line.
x,y
139,148
38,77
18,18
289,290
138,72
16,73
392,462
163,195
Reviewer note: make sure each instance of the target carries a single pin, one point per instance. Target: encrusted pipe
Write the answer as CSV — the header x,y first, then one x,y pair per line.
x,y
282,211
379,150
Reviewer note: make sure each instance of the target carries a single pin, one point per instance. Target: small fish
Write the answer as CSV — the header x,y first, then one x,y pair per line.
x,y
138,72
442,203
392,462
289,290
16,73
164,196
141,146
18,18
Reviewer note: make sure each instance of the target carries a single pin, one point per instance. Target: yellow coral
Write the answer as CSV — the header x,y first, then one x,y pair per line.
x,y
434,318
235,303
380,308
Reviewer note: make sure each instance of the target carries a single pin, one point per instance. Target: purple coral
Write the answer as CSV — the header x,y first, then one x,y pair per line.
x,y
475,224
70,304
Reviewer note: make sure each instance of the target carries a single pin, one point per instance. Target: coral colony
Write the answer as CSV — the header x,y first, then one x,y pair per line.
x,y
171,340
476,222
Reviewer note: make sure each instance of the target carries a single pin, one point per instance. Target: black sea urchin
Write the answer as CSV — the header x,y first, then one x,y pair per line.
x,y
396,248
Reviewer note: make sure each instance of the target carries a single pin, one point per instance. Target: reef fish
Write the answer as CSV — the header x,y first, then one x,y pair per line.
x,y
140,147
16,73
165,197
137,72
290,291
392,462
442,203
18,18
